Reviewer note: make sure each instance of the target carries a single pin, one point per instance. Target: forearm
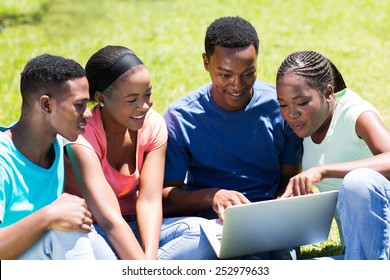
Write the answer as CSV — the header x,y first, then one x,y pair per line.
x,y
124,242
180,202
19,237
149,221
109,218
287,171
379,163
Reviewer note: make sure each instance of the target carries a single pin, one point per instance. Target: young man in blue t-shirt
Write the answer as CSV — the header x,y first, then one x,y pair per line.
x,y
228,143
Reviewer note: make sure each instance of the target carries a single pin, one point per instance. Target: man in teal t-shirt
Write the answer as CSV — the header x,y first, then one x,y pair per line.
x,y
38,221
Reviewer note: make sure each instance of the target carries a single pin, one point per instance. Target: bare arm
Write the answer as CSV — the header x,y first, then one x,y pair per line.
x,y
149,202
372,130
287,171
68,213
180,202
102,201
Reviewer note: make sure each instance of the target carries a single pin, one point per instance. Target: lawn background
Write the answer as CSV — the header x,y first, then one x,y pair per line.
x,y
169,35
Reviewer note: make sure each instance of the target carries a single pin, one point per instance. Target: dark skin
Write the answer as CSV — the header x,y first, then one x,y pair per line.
x,y
233,73
40,126
123,116
309,112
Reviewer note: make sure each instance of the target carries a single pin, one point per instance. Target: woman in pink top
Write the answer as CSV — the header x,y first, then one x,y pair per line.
x,y
118,164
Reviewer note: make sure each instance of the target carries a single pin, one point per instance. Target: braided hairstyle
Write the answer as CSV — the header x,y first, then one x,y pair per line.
x,y
317,70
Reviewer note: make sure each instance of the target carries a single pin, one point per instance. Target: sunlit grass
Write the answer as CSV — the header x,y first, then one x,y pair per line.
x,y
329,248
168,36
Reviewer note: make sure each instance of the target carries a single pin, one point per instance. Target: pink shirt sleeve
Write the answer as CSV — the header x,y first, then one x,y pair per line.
x,y
154,132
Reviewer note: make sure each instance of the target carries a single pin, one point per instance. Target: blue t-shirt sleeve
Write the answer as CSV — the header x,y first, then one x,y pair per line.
x,y
177,158
293,150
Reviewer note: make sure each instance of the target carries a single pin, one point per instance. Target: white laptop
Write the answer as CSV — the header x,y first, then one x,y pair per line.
x,y
272,225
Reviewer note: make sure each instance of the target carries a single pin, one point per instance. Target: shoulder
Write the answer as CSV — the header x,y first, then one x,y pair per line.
x,y
349,97
96,119
264,87
94,129
154,131
264,92
153,118
6,146
265,99
9,155
154,124
192,100
353,103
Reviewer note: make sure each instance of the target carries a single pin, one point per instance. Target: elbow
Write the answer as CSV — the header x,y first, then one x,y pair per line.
x,y
108,224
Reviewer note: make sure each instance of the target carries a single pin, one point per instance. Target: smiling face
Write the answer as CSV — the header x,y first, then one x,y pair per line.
x,y
308,111
233,73
70,110
128,100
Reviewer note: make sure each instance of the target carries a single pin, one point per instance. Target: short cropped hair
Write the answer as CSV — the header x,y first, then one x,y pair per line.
x,y
230,32
47,74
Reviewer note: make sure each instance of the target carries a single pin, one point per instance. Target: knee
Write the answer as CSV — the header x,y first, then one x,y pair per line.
x,y
360,184
193,224
360,176
187,226
360,180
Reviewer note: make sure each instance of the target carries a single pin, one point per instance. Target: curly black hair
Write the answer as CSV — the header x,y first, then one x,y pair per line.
x,y
230,32
47,74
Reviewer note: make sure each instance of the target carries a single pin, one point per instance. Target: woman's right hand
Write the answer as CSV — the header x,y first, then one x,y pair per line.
x,y
302,183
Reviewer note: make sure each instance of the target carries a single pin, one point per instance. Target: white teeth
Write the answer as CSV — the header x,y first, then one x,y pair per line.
x,y
137,117
82,124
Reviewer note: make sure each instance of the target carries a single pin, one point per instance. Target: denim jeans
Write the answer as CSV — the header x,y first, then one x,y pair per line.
x,y
180,239
57,245
364,208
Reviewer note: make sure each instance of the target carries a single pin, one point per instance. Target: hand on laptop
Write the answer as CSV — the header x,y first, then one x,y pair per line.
x,y
302,183
225,198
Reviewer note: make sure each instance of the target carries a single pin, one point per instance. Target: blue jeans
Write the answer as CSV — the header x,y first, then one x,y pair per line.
x,y
58,245
364,208
180,239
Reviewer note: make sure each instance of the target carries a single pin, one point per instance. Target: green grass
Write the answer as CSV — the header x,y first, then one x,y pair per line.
x,y
328,248
331,247
168,36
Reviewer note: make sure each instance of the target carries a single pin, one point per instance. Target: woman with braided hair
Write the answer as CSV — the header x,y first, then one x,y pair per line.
x,y
341,132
